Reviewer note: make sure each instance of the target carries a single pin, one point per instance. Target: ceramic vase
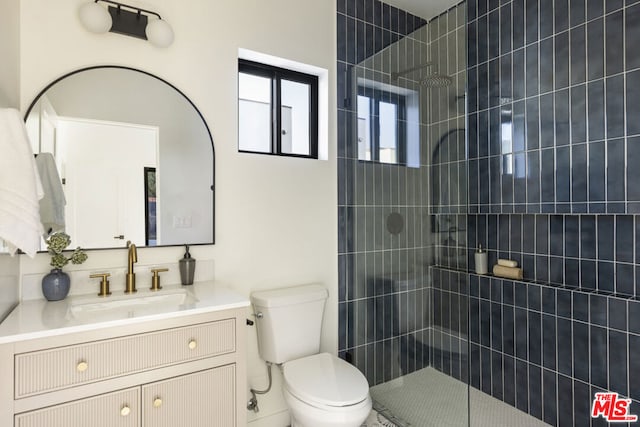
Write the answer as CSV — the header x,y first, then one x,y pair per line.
x,y
56,285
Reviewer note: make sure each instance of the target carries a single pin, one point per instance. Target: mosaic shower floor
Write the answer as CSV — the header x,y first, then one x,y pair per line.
x,y
376,419
429,398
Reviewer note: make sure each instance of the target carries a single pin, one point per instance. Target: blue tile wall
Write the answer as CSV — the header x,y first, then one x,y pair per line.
x,y
384,294
571,129
365,27
588,252
543,349
549,173
449,327
386,298
553,166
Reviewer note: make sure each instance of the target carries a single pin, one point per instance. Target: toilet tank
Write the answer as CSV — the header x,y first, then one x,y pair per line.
x,y
289,321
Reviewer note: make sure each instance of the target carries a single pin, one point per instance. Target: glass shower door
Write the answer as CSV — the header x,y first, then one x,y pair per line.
x,y
402,210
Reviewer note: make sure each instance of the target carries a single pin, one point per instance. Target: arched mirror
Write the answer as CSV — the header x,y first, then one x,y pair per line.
x,y
123,155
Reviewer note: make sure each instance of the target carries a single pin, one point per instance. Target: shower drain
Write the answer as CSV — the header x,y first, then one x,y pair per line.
x,y
383,421
385,417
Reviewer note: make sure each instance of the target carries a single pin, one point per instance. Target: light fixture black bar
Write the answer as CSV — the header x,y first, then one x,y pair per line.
x,y
128,23
137,9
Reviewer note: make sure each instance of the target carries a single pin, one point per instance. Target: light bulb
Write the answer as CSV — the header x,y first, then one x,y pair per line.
x,y
159,33
95,18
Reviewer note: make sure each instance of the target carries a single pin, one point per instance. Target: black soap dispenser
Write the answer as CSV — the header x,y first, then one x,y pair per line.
x,y
187,267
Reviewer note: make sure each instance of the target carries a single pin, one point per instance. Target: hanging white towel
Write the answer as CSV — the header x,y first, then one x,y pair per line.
x,y
20,187
53,202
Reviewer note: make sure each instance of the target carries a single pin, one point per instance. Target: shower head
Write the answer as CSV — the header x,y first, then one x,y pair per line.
x,y
433,80
436,80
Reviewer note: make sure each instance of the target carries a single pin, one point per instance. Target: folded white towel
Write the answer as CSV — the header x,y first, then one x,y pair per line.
x,y
20,186
53,202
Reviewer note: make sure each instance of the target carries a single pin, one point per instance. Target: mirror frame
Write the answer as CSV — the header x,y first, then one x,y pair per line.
x,y
213,149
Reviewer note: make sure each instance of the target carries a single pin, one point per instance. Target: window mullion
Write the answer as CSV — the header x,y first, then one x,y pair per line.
x,y
402,131
313,121
274,114
375,130
277,123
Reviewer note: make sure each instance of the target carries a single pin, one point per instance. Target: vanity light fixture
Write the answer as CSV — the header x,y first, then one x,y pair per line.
x,y
127,20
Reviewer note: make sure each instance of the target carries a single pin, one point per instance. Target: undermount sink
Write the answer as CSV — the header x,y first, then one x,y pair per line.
x,y
139,304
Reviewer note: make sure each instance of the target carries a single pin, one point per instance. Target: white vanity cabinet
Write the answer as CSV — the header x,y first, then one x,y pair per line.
x,y
184,371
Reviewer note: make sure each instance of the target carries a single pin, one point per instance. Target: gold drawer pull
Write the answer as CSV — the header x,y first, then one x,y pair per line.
x,y
82,366
193,344
125,411
157,402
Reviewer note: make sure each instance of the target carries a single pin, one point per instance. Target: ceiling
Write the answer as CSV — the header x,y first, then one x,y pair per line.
x,y
426,9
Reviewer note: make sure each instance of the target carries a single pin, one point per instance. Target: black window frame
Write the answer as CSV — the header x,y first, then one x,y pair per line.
x,y
147,214
277,74
376,96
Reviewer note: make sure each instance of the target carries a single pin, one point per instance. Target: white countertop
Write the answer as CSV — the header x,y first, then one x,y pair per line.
x,y
40,318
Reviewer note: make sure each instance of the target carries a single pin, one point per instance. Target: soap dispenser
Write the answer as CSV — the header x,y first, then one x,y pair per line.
x,y
481,261
187,267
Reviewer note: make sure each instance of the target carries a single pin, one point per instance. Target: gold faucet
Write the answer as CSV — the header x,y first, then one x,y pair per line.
x,y
131,276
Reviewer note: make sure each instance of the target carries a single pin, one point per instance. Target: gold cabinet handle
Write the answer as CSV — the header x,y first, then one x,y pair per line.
x,y
125,411
82,366
193,344
157,402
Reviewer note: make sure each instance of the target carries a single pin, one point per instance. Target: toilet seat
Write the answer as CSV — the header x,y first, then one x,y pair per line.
x,y
325,380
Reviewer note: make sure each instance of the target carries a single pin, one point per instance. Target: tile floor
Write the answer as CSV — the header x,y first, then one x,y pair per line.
x,y
376,419
429,398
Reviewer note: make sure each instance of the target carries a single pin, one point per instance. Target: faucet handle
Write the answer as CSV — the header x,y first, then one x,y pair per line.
x,y
104,283
155,280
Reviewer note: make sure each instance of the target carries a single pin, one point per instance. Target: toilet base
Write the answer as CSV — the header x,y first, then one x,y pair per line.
x,y
305,415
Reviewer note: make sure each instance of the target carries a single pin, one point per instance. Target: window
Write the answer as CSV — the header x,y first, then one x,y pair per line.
x,y
277,111
381,126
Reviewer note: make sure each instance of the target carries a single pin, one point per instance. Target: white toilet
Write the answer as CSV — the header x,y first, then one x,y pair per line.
x,y
320,389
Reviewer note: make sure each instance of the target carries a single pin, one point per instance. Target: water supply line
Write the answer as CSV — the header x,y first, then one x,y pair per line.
x,y
253,402
252,405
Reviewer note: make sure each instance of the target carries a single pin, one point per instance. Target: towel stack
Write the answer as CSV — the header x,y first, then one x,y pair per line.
x,y
20,187
508,269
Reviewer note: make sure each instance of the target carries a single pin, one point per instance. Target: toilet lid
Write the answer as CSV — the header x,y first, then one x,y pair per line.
x,y
325,379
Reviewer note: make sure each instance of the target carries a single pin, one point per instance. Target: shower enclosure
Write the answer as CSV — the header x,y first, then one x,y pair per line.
x,y
402,205
509,124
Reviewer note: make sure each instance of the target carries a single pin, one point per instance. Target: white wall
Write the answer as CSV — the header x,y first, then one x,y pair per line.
x,y
9,84
9,26
275,217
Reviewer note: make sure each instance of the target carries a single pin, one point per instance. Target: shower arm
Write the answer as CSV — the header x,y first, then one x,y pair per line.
x,y
395,76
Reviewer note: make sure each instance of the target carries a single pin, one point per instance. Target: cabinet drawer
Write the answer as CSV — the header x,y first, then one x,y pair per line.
x,y
57,368
119,409
202,399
